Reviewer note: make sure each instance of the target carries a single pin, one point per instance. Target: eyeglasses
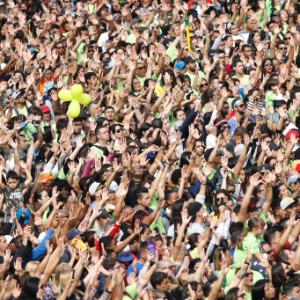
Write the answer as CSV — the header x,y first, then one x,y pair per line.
x,y
282,49
169,267
287,38
268,65
119,130
248,274
203,85
242,105
225,127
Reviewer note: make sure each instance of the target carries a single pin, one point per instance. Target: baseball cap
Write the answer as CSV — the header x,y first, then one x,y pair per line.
x,y
239,149
45,109
180,65
125,255
106,168
292,179
72,233
209,151
17,94
103,214
193,208
291,132
8,238
40,55
265,167
134,21
93,188
189,59
27,215
273,146
286,202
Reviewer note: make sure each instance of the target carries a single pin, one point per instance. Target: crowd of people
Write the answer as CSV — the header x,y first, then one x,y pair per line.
x,y
180,179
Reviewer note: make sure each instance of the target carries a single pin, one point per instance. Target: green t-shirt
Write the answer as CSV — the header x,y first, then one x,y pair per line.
x,y
244,80
250,241
192,76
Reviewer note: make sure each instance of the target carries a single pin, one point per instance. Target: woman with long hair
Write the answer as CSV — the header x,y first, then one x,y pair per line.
x,y
248,240
263,290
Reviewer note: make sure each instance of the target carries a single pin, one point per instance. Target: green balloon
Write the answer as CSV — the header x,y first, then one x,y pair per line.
x,y
74,109
84,99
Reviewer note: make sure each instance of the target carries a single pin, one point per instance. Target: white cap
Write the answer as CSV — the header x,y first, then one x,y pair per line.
x,y
93,188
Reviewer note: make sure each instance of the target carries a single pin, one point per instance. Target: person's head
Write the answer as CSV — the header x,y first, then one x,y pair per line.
x,y
179,114
166,266
196,287
235,294
267,251
250,24
12,179
160,281
140,70
247,51
272,236
3,243
117,130
109,113
278,274
33,289
77,125
219,255
263,289
142,196
41,196
102,134
256,225
238,67
291,288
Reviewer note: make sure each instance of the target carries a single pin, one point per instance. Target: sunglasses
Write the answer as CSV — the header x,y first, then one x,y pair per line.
x,y
268,65
282,49
225,127
248,274
203,85
60,47
119,130
242,105
169,267
287,38
220,198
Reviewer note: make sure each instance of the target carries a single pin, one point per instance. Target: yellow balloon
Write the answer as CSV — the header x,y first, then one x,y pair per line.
x,y
65,95
76,91
84,99
74,109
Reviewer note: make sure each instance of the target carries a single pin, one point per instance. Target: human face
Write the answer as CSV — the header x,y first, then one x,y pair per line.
x,y
44,197
192,66
203,86
256,37
165,285
269,290
136,85
199,148
145,200
119,132
250,24
166,126
173,198
239,69
282,49
242,176
248,52
103,134
3,244
141,70
60,48
159,247
267,250
77,127
169,269
283,192
109,114
180,116
268,66
145,236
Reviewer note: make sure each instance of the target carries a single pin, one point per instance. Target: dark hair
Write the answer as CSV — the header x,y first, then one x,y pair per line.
x,y
31,287
194,286
258,289
278,275
157,278
12,175
232,294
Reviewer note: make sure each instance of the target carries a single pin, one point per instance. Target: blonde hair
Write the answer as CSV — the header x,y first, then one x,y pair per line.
x,y
64,279
64,267
31,266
